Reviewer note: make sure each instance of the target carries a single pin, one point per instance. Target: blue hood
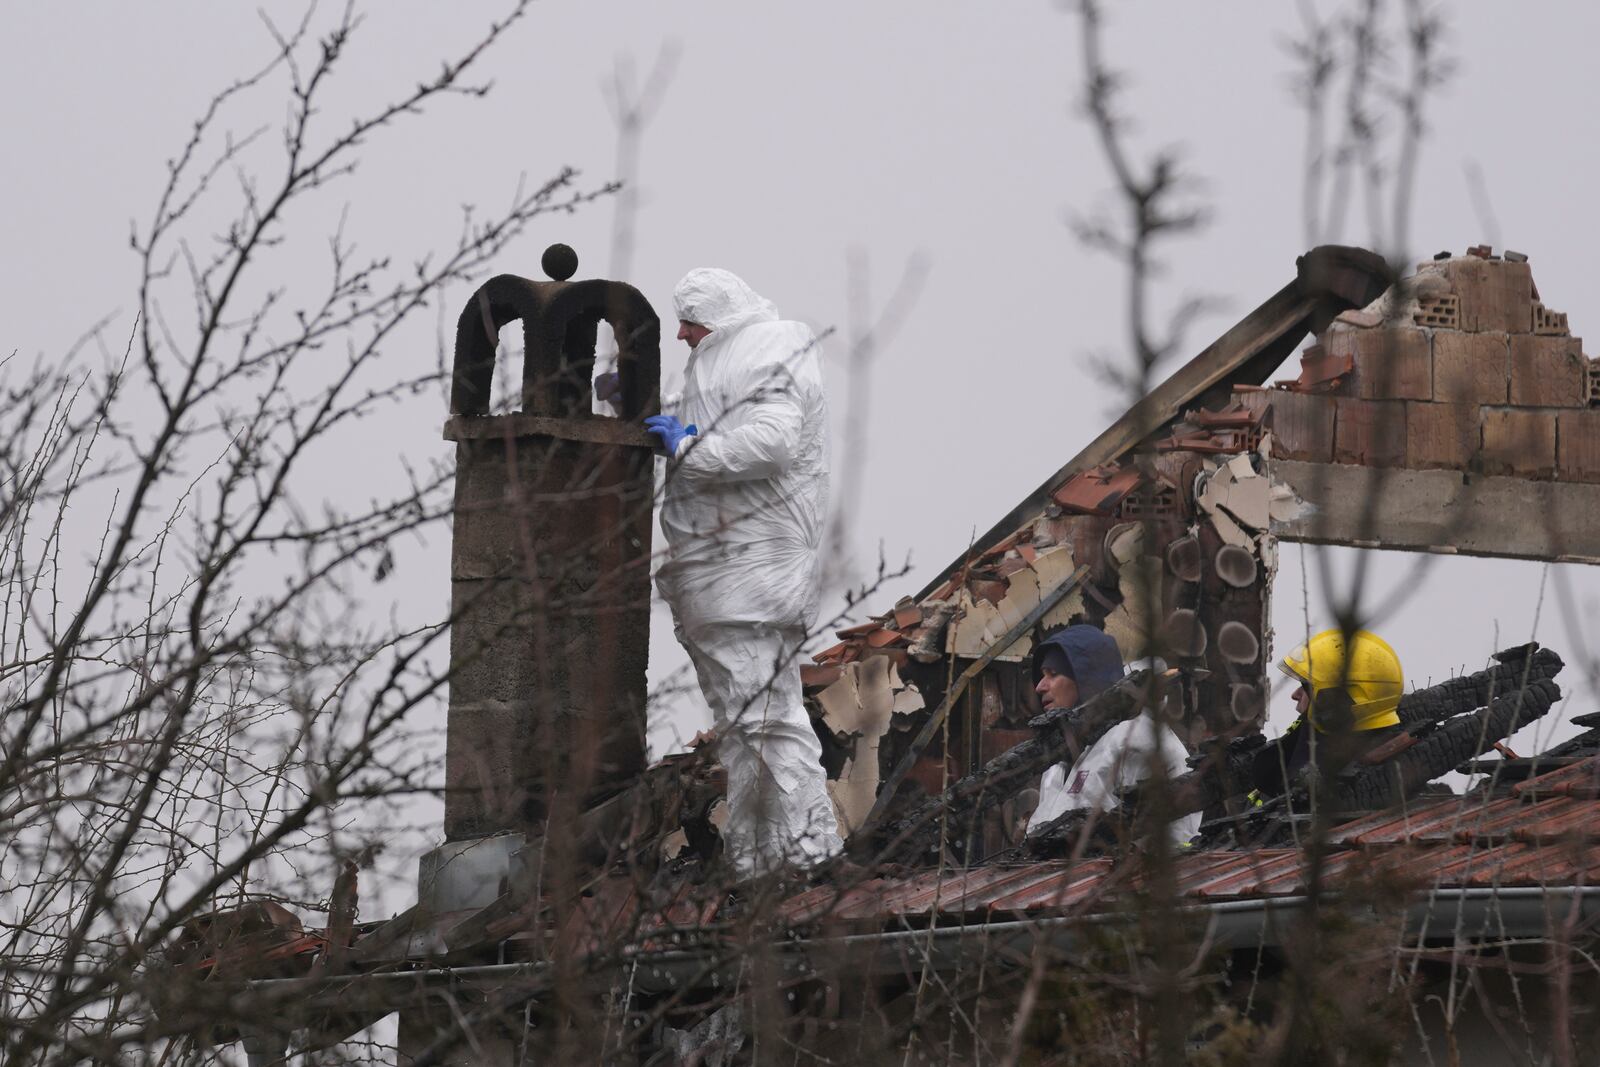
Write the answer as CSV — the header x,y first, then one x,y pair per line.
x,y
1096,660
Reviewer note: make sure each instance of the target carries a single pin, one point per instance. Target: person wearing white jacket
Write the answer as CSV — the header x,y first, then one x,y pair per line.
x,y
745,498
1070,667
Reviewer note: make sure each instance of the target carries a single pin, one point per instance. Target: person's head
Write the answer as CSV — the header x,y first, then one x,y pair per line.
x,y
1349,682
692,332
1057,688
1075,664
709,299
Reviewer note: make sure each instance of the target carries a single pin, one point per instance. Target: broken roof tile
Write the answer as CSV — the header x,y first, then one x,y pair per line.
x,y
860,630
884,637
819,675
907,615
1002,546
1235,415
1096,491
1321,372
832,653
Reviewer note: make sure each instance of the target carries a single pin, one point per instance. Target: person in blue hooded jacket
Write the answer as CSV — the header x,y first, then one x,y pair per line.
x,y
1077,664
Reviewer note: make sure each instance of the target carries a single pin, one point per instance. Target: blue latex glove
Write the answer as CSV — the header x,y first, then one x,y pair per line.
x,y
670,430
608,386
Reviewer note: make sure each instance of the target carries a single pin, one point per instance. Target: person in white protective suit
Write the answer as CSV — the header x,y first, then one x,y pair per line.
x,y
1070,667
745,497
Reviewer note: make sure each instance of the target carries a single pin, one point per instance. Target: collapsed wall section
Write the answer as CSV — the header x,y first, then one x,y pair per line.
x,y
1457,413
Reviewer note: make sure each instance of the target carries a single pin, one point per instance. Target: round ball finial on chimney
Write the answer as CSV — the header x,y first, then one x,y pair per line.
x,y
560,262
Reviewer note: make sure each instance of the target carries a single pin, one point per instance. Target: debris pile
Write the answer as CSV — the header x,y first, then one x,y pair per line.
x,y
1170,552
1177,551
1458,367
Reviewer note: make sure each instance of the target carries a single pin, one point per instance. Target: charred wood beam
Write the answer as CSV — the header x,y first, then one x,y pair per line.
x,y
1582,746
1362,788
1227,770
1063,835
1457,740
1514,668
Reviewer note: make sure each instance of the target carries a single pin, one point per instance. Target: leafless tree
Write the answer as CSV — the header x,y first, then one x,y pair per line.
x,y
200,705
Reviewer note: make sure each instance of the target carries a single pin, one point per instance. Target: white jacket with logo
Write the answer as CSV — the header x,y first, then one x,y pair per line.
x,y
1123,757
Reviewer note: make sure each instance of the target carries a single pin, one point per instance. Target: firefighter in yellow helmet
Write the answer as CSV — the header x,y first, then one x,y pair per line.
x,y
1350,686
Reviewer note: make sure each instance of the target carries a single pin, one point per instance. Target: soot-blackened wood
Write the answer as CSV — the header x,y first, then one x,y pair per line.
x,y
1226,772
1457,740
1515,668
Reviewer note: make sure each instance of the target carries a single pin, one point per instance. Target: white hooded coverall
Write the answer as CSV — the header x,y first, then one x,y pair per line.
x,y
743,517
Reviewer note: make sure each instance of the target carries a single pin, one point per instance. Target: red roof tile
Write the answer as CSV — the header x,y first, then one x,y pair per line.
x,y
1561,781
1096,491
1062,888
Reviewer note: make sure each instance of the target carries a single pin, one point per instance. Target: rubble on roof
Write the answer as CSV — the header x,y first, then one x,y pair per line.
x,y
1538,831
1459,366
1165,537
1178,554
1443,726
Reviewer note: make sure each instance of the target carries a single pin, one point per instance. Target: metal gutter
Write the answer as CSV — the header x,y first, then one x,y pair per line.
x,y
1444,916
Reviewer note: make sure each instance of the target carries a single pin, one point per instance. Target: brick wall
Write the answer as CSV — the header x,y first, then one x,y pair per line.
x,y
1460,367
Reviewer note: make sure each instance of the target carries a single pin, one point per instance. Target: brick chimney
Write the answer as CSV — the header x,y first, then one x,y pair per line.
x,y
550,595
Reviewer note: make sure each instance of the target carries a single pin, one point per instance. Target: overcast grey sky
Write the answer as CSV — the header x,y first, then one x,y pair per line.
x,y
794,133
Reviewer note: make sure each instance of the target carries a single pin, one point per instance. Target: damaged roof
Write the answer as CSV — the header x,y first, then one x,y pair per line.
x,y
1198,506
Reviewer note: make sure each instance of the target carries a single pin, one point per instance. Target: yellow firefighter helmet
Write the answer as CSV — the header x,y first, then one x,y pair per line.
x,y
1364,667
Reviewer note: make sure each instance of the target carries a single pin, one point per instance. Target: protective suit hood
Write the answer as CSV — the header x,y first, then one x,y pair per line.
x,y
720,301
1096,661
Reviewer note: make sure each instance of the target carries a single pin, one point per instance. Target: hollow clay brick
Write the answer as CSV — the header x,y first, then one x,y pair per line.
x,y
1255,400
1370,432
1578,445
1302,426
1441,436
1548,372
1496,296
1519,442
1549,322
1470,368
1392,364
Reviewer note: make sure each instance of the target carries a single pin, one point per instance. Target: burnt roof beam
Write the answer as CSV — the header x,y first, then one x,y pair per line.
x,y
1328,279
